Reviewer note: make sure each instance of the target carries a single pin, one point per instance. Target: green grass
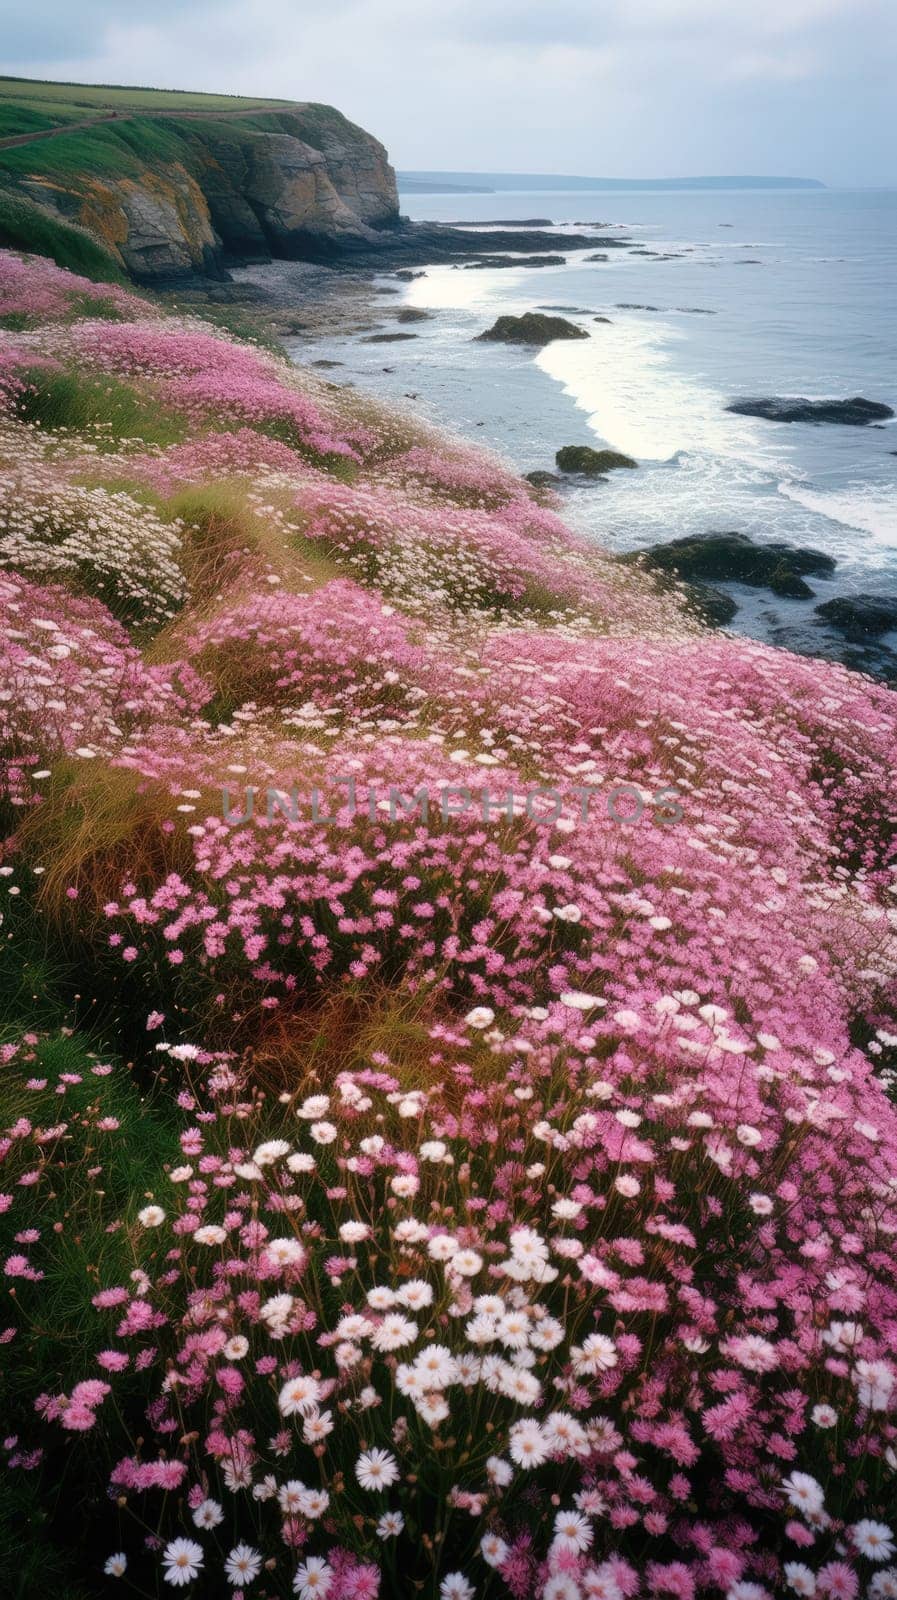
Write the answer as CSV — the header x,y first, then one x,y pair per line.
x,y
116,150
65,100
107,407
26,226
92,1181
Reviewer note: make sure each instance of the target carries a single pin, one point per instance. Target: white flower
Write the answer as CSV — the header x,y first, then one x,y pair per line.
x,y
313,1503
376,1469
467,1263
299,1395
572,1531
596,1354
390,1525
499,1472
236,1348
313,1578
437,1366
415,1294
568,913
116,1566
285,1252
874,1382
317,1426
323,1132
494,1550
564,1435
210,1234
561,1587
800,1578
873,1539
442,1247
432,1410
380,1298
269,1152
455,1586
301,1163
480,1017
151,1217
315,1107
354,1327
242,1565
578,1000
354,1232
521,1386
824,1416
275,1313
627,1185
546,1335
182,1560
527,1245
249,1171
804,1493
289,1496
843,1336
393,1332
527,1445
433,1150
208,1514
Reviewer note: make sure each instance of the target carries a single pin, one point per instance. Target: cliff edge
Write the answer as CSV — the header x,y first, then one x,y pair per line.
x,y
171,193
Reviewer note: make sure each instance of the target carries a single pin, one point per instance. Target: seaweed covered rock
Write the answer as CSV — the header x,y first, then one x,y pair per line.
x,y
860,616
594,463
542,480
734,558
534,327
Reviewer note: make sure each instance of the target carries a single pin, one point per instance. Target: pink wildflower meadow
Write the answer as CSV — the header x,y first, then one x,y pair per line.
x,y
491,1195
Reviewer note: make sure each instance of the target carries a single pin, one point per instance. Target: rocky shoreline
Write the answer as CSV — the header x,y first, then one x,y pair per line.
x,y
313,302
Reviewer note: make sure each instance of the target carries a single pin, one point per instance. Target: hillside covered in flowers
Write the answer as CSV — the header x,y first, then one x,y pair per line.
x,y
446,1117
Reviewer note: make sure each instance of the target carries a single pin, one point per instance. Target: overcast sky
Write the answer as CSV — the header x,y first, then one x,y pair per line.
x,y
617,88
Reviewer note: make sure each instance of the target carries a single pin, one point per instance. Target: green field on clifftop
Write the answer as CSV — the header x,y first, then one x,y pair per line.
x,y
29,105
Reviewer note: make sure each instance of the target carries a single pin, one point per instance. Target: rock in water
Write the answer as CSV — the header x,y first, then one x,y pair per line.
x,y
542,480
856,413
388,338
734,558
860,616
582,458
532,328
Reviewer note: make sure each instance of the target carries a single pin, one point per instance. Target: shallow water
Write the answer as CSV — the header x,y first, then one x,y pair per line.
x,y
768,293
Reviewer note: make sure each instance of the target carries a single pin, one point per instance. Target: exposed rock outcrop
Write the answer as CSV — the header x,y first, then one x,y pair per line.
x,y
594,463
301,183
734,558
534,327
855,412
861,616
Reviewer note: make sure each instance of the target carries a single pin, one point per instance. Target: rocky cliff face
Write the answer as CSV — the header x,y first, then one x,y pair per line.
x,y
301,183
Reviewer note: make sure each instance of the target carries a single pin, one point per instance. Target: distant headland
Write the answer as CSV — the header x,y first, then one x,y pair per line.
x,y
490,182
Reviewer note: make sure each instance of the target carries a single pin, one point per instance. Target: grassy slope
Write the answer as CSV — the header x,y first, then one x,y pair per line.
x,y
62,102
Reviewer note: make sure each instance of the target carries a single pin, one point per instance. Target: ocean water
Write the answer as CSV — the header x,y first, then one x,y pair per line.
x,y
752,293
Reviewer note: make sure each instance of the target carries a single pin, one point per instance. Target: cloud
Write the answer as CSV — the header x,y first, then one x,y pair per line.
x,y
620,87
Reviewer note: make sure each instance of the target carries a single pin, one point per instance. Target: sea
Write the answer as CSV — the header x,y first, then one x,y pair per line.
x,y
739,293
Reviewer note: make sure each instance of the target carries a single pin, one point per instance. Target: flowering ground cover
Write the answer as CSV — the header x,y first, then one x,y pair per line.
x,y
446,1080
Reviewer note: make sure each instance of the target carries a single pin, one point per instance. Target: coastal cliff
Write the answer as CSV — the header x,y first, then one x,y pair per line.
x,y
170,196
